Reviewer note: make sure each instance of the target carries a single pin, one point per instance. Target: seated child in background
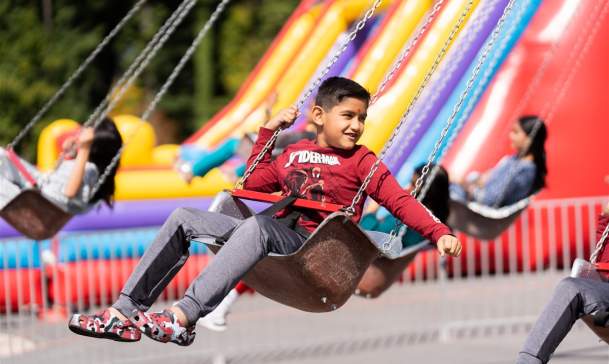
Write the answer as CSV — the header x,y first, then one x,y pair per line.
x,y
69,186
436,200
330,169
514,177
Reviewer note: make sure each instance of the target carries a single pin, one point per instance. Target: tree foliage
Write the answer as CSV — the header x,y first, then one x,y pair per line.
x,y
40,50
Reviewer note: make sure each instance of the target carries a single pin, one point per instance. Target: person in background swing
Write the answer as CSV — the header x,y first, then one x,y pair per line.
x,y
515,177
70,185
572,299
339,114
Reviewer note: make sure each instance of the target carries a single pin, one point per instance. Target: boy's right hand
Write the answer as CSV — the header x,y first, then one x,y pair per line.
x,y
285,118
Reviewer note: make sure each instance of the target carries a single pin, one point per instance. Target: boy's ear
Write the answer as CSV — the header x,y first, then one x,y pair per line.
x,y
316,115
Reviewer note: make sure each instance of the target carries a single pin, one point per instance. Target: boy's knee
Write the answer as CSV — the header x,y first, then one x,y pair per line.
x,y
181,214
569,286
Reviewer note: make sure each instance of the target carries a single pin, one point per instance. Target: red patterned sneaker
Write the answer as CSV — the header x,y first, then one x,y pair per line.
x,y
163,326
104,325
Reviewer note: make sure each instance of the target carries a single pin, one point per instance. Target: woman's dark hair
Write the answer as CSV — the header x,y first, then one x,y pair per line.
x,y
437,196
107,142
537,132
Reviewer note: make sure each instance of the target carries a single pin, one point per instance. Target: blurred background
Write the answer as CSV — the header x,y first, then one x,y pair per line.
x,y
471,67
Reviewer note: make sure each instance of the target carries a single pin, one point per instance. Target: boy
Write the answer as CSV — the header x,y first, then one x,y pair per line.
x,y
333,167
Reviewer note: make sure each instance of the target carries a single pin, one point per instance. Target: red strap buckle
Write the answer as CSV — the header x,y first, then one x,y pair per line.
x,y
12,156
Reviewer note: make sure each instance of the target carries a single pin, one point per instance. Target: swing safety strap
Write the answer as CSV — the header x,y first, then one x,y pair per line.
x,y
12,156
290,220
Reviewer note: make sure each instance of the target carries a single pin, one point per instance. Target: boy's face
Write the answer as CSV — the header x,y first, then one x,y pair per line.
x,y
343,125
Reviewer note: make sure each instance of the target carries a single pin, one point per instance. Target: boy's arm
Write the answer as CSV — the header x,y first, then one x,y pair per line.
x,y
264,177
384,189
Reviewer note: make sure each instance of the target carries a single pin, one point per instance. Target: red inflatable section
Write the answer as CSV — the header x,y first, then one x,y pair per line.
x,y
99,282
20,289
578,128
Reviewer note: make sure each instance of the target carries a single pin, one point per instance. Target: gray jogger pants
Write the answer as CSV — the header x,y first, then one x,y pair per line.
x,y
253,239
572,299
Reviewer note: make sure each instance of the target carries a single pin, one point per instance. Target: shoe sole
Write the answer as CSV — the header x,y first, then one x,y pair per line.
x,y
80,331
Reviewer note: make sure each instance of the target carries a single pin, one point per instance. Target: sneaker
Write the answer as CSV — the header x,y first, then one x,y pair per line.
x,y
213,322
163,327
104,325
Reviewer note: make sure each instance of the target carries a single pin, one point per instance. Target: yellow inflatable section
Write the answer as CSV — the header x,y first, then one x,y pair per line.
x,y
334,20
385,114
396,33
145,169
263,81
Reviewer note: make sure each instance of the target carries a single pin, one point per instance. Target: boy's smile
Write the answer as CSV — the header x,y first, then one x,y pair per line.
x,y
343,125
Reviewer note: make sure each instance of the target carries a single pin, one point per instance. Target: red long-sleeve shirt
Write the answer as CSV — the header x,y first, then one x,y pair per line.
x,y
334,176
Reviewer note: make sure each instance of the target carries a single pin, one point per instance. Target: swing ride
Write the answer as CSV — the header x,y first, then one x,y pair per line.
x,y
338,236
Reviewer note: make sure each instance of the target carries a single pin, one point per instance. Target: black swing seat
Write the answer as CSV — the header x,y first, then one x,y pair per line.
x,y
484,222
34,215
322,274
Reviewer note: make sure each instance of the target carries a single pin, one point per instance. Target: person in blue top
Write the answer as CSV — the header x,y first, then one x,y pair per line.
x,y
515,177
436,200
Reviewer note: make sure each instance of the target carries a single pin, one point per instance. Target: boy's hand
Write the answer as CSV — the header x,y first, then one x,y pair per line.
x,y
448,244
606,210
285,118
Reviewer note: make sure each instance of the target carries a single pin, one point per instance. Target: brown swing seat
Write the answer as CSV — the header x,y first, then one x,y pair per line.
x,y
34,216
484,222
321,275
384,271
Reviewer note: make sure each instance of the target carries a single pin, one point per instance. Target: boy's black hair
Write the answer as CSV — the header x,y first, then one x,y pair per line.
x,y
107,142
334,89
537,148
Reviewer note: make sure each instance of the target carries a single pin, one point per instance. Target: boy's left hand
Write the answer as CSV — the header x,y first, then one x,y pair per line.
x,y
448,244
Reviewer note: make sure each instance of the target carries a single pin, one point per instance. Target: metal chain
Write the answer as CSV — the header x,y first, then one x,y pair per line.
x,y
443,76
133,66
580,55
185,58
599,245
129,76
164,37
351,209
176,71
301,101
397,64
477,92
486,50
76,74
563,88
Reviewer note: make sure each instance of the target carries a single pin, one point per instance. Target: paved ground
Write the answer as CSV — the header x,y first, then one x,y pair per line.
x,y
481,321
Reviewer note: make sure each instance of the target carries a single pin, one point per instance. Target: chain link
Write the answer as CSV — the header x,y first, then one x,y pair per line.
x,y
351,209
301,101
187,55
76,74
486,50
599,245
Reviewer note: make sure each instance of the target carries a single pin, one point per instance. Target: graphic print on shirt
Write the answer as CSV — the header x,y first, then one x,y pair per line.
x,y
306,183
